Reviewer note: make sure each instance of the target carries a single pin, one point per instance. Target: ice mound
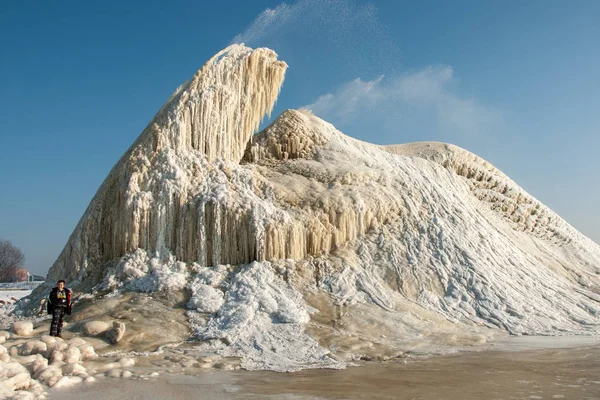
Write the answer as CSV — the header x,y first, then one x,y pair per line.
x,y
22,328
95,328
132,321
302,247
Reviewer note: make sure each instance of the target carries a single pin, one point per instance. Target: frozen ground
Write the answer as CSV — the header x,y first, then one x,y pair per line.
x,y
565,373
20,285
85,366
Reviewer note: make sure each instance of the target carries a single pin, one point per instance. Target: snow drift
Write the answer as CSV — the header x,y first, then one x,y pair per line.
x,y
302,247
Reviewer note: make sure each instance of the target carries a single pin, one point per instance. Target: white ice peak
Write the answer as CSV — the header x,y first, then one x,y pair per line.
x,y
222,106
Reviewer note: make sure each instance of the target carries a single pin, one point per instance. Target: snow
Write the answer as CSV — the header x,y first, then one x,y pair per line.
x,y
205,298
16,290
262,321
251,308
10,295
449,250
141,272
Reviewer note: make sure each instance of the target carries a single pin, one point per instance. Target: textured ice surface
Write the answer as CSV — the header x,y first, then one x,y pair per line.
x,y
140,272
262,321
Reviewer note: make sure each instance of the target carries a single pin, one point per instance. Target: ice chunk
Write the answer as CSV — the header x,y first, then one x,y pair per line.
x,y
115,334
95,328
23,328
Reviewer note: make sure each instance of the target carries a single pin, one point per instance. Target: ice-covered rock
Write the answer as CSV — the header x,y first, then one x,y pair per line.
x,y
127,362
87,351
39,363
73,355
49,340
60,344
67,381
73,369
114,373
49,375
32,347
95,328
76,342
23,328
18,381
115,334
57,356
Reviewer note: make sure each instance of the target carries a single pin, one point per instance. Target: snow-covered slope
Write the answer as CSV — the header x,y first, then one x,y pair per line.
x,y
303,247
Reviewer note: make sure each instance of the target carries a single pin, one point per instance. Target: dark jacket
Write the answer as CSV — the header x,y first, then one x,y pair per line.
x,y
54,301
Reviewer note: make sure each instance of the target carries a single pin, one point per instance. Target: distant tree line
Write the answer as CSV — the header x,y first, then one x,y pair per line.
x,y
10,255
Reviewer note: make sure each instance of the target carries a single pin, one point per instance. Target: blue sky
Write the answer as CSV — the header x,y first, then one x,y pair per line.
x,y
517,83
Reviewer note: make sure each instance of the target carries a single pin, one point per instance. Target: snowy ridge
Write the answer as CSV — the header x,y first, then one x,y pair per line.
x,y
269,236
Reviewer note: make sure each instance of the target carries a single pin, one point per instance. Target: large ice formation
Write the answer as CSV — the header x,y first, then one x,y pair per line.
x,y
155,198
303,247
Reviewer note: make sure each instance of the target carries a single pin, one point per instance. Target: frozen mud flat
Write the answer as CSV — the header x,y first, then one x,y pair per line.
x,y
566,373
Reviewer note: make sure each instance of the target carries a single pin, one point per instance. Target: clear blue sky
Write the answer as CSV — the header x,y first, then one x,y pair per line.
x,y
515,82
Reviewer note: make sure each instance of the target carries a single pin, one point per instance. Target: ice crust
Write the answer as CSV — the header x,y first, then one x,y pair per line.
x,y
251,227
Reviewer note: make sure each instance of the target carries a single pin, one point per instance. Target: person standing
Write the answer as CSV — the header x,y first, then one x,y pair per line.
x,y
59,303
